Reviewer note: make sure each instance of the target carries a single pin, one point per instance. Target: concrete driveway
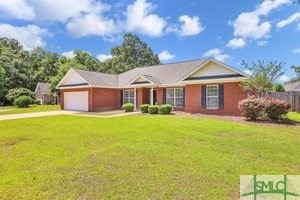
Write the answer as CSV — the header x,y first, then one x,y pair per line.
x,y
36,114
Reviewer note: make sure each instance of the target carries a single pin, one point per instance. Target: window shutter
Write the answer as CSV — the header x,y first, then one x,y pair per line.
x,y
164,96
203,96
183,93
136,99
121,97
221,96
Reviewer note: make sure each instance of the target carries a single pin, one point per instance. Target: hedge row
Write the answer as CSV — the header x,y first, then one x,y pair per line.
x,y
271,108
152,109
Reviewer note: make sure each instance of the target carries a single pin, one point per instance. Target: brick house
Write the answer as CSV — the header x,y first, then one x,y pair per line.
x,y
43,93
197,86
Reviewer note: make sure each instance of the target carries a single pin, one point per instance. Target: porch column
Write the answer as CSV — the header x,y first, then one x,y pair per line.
x,y
134,99
151,95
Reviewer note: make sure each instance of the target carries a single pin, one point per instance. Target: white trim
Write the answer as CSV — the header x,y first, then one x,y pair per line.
x,y
174,98
213,108
69,73
76,87
140,76
221,80
216,62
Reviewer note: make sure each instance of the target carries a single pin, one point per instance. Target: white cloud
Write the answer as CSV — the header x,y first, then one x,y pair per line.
x,y
29,36
18,9
249,25
236,43
293,18
91,24
217,54
247,71
103,57
296,51
262,43
284,78
189,26
165,55
298,27
68,54
140,18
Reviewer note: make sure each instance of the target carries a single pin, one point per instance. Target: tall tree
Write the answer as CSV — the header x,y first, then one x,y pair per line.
x,y
2,83
264,75
132,53
297,71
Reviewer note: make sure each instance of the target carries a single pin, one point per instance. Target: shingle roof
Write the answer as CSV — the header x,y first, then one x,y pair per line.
x,y
292,86
97,78
164,74
45,88
159,74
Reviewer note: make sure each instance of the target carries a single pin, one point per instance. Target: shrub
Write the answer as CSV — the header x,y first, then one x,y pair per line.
x,y
165,109
37,102
128,107
23,101
252,107
153,109
275,109
17,92
144,108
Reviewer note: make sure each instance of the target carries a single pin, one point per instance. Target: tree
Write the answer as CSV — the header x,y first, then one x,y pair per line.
x,y
264,76
2,83
297,71
17,92
132,53
277,88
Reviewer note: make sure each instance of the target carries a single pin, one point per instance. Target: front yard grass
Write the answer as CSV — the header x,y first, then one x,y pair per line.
x,y
139,157
32,108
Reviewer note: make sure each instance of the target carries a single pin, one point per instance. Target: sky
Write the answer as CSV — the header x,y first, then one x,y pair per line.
x,y
227,30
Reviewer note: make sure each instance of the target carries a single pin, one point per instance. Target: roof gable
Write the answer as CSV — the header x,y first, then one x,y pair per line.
x,y
72,78
212,69
43,88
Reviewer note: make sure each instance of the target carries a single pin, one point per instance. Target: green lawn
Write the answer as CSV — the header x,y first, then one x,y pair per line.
x,y
139,157
32,108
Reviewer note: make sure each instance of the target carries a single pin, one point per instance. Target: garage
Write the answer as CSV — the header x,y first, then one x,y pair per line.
x,y
76,101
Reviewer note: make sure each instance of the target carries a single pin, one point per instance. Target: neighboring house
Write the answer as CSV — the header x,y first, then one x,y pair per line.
x,y
292,87
43,93
198,86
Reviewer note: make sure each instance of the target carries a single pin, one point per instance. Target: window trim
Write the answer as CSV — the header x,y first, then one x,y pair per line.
x,y
218,96
124,91
175,97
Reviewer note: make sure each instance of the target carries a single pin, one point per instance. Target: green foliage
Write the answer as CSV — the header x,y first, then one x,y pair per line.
x,y
2,83
144,108
23,101
153,109
264,76
17,92
252,108
276,109
128,107
272,108
297,71
132,53
165,109
278,88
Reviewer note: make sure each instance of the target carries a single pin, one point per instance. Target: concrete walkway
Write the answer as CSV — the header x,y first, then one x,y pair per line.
x,y
58,112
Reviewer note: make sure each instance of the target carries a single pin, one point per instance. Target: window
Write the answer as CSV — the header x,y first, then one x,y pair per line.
x,y
174,96
128,96
212,96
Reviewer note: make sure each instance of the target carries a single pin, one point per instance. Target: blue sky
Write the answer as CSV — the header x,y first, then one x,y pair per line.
x,y
227,30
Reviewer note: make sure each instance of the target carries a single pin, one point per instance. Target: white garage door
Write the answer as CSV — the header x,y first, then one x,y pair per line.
x,y
76,101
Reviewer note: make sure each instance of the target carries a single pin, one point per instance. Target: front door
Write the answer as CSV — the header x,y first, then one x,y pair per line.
x,y
154,97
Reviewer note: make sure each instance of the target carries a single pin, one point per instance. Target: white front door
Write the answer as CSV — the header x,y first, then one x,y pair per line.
x,y
76,101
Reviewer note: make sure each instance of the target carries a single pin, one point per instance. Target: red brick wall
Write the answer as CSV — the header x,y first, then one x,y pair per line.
x,y
233,93
143,95
159,95
105,99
